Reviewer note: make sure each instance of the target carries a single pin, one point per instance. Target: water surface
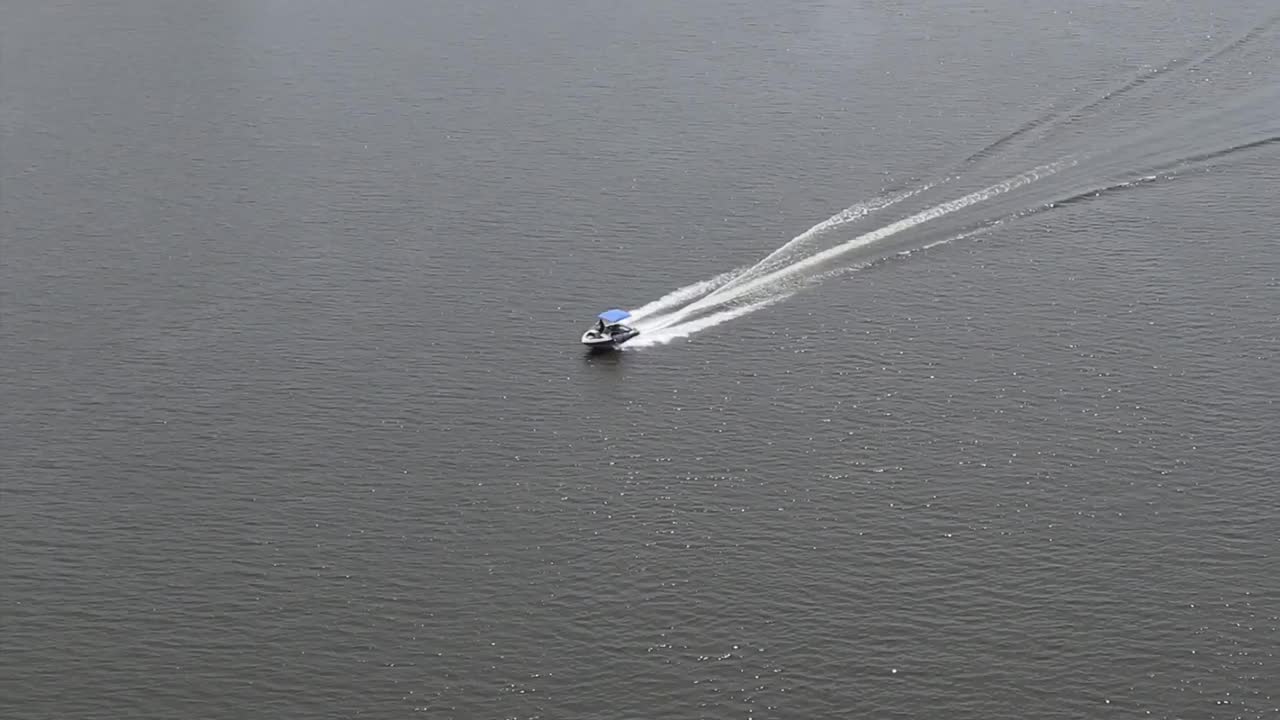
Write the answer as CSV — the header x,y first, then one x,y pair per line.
x,y
295,423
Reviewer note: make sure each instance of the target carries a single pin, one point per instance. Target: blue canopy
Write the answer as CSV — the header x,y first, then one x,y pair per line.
x,y
614,316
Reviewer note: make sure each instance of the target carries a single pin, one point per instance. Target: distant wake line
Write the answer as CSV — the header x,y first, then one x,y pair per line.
x,y
777,276
1160,151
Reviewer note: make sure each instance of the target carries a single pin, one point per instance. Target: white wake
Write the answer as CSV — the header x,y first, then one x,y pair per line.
x,y
664,335
779,275
682,296
853,213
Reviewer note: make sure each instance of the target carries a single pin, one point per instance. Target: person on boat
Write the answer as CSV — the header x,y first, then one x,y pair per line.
x,y
600,326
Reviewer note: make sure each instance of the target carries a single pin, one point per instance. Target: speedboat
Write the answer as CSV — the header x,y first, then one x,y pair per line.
x,y
610,331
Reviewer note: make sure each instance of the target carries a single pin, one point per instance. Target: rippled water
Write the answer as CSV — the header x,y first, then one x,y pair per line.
x,y
295,422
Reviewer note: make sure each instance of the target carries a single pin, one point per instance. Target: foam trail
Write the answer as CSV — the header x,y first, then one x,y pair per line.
x,y
758,284
721,282
679,297
666,334
848,215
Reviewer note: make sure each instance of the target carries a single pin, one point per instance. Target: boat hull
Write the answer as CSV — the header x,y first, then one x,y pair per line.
x,y
599,343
